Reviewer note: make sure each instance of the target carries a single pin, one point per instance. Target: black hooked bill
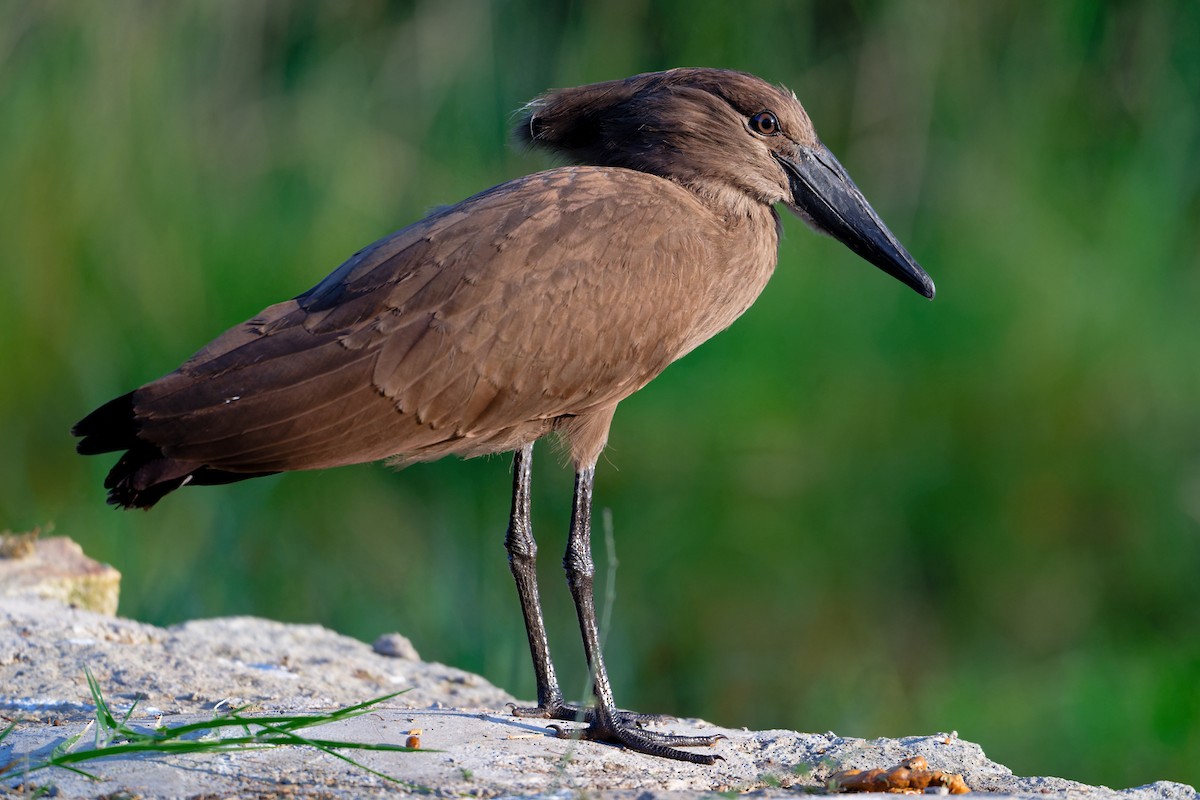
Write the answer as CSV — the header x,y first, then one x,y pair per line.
x,y
824,194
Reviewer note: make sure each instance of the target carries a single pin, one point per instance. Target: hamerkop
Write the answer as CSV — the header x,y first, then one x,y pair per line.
x,y
532,308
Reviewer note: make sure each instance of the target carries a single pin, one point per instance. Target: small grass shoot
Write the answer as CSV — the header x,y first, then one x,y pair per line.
x,y
116,737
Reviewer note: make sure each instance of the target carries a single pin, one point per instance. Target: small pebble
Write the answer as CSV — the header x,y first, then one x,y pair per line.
x,y
393,645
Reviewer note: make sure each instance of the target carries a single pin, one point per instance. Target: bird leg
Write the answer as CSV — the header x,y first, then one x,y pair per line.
x,y
605,722
522,560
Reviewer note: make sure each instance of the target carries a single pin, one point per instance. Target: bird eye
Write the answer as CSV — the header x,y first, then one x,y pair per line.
x,y
765,122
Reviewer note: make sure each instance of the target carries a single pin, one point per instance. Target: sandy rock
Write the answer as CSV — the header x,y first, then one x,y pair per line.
x,y
56,568
470,744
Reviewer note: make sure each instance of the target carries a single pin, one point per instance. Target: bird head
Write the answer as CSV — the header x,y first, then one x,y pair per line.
x,y
731,137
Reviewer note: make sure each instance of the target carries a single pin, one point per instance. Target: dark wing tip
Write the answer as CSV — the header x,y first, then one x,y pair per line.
x,y
125,495
142,475
109,428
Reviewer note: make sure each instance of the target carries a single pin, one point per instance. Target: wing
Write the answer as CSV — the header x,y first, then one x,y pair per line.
x,y
547,297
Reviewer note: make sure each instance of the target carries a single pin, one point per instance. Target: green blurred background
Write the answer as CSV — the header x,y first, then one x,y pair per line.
x,y
854,511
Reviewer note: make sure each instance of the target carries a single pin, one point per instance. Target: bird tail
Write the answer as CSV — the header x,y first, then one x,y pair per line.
x,y
107,429
144,474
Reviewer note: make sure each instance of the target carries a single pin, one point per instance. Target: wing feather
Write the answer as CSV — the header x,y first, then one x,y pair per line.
x,y
546,297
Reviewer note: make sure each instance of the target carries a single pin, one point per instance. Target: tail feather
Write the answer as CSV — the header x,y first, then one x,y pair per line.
x,y
144,474
107,429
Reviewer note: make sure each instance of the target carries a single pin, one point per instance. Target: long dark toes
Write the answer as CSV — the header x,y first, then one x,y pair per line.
x,y
675,740
651,743
566,713
638,722
528,711
641,720
639,742
624,728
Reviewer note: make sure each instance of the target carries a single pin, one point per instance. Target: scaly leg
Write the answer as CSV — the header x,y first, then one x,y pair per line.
x,y
605,722
522,560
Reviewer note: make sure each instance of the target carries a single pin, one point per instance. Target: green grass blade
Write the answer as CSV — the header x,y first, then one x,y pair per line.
x,y
106,723
296,739
259,733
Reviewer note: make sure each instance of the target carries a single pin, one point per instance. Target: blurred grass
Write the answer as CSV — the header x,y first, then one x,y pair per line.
x,y
853,511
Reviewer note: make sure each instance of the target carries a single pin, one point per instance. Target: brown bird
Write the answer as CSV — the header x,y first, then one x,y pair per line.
x,y
532,308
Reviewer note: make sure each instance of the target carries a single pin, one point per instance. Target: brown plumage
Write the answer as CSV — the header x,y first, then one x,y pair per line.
x,y
533,307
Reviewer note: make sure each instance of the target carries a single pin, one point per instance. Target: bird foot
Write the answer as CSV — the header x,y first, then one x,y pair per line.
x,y
570,712
625,728
636,738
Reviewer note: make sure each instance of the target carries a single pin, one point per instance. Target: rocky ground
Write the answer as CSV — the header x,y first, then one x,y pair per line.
x,y
470,745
